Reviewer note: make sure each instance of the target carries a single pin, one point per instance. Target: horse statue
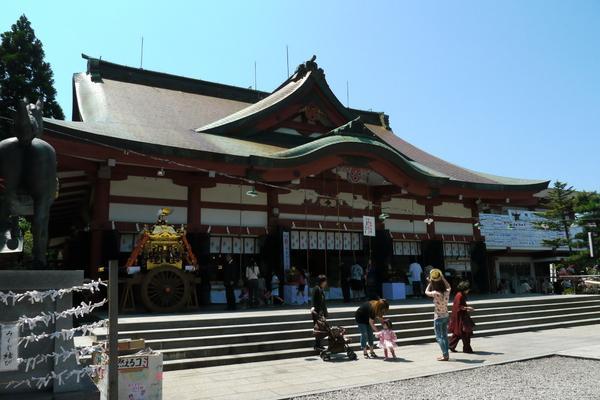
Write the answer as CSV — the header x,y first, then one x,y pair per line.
x,y
27,167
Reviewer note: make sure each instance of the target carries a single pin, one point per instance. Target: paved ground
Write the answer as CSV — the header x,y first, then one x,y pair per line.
x,y
301,376
538,379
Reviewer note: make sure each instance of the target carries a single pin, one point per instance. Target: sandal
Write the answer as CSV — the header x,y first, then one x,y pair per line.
x,y
366,355
373,355
443,358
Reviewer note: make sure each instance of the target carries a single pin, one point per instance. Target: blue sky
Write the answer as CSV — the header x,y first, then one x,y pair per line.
x,y
505,87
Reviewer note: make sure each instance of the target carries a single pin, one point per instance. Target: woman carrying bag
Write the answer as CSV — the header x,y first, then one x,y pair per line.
x,y
461,325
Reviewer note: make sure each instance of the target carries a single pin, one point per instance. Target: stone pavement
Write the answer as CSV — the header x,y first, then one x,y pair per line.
x,y
292,377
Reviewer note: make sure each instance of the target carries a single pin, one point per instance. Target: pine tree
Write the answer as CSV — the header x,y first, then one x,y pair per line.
x,y
24,73
559,214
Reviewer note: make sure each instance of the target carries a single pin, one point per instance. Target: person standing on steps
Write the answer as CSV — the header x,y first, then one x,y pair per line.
x,y
356,281
365,317
319,306
230,278
415,271
252,275
439,290
461,325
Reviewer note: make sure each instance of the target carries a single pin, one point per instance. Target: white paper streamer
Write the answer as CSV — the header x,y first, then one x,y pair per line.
x,y
43,381
65,334
62,356
47,318
35,296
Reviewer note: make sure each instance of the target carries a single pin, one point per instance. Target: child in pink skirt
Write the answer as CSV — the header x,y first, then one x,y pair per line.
x,y
387,339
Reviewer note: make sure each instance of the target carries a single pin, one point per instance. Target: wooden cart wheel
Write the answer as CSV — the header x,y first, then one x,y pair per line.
x,y
165,289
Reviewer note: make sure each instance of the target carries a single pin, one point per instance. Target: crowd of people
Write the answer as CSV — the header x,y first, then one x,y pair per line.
x,y
255,289
458,323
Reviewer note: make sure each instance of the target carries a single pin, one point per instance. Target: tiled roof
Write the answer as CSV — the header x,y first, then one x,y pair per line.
x,y
439,167
120,102
112,101
182,139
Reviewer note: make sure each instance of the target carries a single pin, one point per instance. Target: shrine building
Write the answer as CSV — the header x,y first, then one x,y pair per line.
x,y
285,178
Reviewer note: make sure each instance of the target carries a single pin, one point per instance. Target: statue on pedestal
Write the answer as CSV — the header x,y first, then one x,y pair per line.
x,y
27,167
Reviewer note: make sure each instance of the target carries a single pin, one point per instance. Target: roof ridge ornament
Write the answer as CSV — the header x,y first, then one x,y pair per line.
x,y
308,66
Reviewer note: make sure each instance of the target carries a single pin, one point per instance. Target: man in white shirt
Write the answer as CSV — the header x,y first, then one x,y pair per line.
x,y
414,272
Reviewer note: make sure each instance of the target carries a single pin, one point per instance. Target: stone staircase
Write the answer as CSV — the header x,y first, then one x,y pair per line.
x,y
209,339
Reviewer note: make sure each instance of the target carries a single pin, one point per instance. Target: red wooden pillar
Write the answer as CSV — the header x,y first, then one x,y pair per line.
x,y
99,223
194,207
272,210
475,214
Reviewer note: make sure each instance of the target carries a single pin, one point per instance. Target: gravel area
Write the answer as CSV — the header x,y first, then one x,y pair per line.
x,y
547,378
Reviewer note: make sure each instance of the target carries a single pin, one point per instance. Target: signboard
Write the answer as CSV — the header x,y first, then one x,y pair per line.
x,y
516,229
286,251
9,347
368,226
133,362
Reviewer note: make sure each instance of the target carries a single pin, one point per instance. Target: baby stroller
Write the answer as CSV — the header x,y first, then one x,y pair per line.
x,y
336,341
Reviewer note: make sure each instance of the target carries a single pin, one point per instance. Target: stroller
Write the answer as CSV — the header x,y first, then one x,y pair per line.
x,y
336,341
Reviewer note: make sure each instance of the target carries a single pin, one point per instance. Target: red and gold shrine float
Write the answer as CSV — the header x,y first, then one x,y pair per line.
x,y
166,262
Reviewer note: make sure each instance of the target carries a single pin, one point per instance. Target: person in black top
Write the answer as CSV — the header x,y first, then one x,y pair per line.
x,y
230,278
365,317
319,306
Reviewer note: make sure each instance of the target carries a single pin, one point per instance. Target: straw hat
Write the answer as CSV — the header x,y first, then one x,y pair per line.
x,y
435,274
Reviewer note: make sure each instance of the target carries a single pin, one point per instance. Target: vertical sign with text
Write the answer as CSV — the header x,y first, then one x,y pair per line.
x,y
286,251
9,347
368,226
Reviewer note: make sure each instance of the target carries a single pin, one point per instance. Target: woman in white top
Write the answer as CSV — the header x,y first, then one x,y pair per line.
x,y
252,275
439,290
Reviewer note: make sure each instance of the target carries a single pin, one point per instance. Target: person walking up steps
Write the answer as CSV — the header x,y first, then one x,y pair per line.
x,y
461,325
439,290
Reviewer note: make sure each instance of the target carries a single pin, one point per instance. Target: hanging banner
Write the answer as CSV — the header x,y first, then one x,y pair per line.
x,y
368,226
9,347
286,251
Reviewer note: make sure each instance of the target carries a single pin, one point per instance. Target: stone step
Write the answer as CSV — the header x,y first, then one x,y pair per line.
x,y
303,322
270,355
276,315
197,348
403,328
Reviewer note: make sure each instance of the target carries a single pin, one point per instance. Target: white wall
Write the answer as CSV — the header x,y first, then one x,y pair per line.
x,y
221,217
403,206
453,228
452,210
155,188
296,197
313,217
405,226
229,193
144,213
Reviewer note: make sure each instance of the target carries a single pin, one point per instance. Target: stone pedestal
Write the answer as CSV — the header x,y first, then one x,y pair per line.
x,y
21,281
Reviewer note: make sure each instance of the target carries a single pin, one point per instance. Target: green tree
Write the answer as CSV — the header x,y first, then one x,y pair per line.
x,y
24,73
587,208
559,214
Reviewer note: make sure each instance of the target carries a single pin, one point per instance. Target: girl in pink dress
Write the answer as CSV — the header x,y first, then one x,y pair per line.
x,y
387,339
